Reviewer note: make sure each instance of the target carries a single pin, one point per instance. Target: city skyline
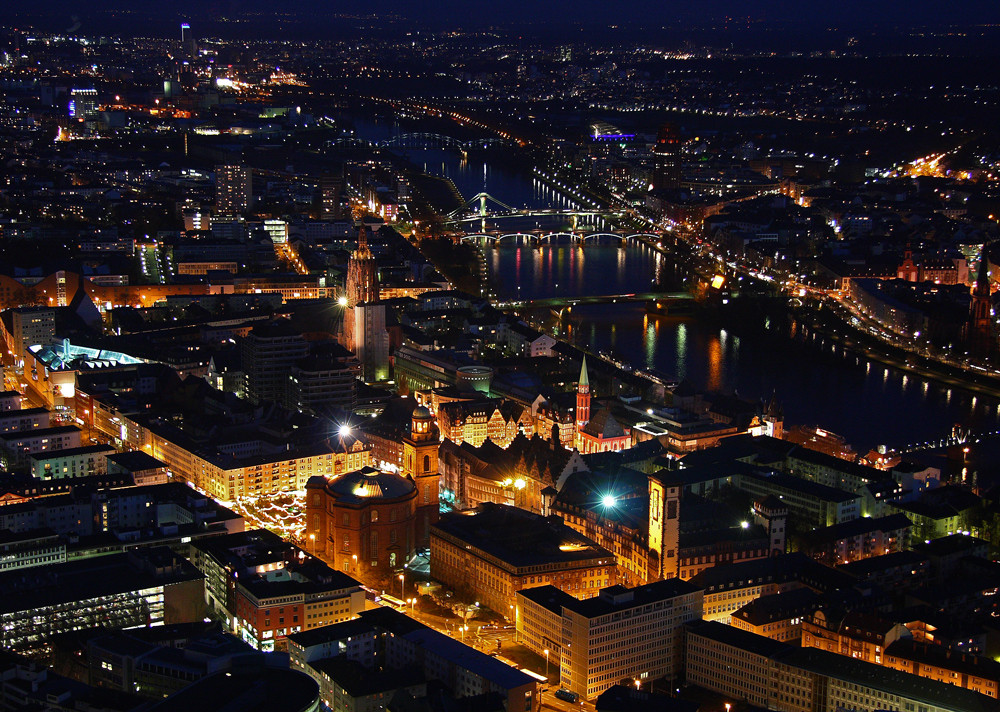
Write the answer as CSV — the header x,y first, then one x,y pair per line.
x,y
510,358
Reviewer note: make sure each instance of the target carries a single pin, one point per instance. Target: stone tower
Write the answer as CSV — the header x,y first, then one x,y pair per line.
x,y
980,327
420,462
664,526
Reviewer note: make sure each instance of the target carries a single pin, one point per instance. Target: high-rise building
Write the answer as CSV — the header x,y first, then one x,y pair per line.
x,y
82,104
233,189
269,351
330,188
326,379
420,462
667,159
31,326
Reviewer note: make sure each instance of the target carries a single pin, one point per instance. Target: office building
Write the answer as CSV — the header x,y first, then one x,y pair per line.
x,y
387,640
634,634
264,589
233,189
324,380
766,673
31,326
667,159
269,352
490,553
151,587
82,104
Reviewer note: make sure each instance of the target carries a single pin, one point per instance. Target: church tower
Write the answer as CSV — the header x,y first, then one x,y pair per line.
x,y
362,277
361,288
980,327
420,462
583,397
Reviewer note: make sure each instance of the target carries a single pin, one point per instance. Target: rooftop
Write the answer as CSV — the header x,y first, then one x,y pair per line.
x,y
520,538
266,690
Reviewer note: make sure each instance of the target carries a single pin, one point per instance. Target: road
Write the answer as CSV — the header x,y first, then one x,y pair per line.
x,y
485,641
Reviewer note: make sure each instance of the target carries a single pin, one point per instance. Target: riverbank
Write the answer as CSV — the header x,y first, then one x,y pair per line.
x,y
824,320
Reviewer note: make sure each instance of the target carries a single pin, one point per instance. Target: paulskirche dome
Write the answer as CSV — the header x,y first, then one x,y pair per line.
x,y
370,483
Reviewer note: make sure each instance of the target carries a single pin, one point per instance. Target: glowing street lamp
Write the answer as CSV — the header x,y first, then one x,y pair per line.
x,y
546,663
609,500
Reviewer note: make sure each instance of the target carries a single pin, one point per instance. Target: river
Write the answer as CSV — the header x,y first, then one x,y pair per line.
x,y
748,353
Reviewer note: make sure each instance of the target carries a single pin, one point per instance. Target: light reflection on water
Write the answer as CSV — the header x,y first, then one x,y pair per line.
x,y
814,384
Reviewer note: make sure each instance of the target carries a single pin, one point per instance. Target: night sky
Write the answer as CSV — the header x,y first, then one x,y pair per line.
x,y
844,13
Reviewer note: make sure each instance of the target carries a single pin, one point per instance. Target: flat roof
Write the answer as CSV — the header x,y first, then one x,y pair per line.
x,y
28,589
915,687
619,598
259,690
737,638
136,461
36,432
520,538
548,597
70,452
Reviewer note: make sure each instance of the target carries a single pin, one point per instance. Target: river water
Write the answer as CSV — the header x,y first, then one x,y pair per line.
x,y
751,354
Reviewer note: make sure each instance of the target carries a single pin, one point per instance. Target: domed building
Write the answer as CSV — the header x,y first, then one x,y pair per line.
x,y
362,522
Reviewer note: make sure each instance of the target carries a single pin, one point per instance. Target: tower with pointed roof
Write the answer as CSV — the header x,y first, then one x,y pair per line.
x,y
774,416
362,277
363,330
980,327
583,397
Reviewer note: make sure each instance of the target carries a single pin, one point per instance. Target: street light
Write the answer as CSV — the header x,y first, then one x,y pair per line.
x,y
402,584
546,664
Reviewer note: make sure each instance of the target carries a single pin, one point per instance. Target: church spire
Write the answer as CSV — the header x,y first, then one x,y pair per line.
x,y
583,397
979,330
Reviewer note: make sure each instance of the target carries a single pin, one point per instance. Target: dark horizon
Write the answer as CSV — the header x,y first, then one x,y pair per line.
x,y
558,16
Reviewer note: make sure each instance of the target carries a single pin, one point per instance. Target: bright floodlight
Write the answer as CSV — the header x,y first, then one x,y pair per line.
x,y
344,430
608,500
745,525
342,301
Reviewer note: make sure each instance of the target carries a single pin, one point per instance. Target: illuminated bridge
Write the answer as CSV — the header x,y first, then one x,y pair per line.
x,y
541,236
484,207
563,302
420,141
958,437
